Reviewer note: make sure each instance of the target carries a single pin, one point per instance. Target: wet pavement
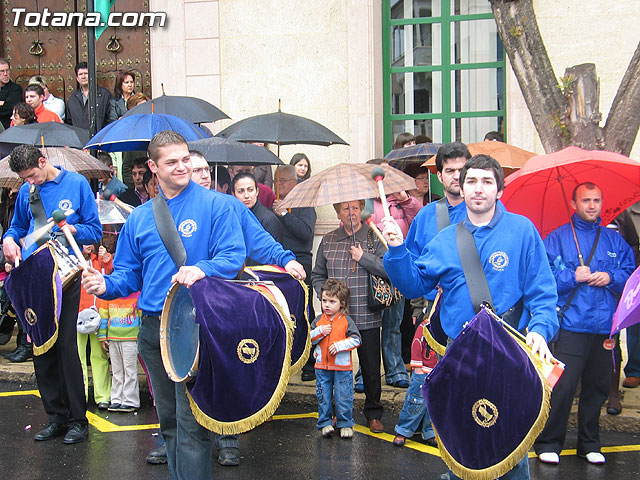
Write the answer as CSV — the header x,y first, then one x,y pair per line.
x,y
288,447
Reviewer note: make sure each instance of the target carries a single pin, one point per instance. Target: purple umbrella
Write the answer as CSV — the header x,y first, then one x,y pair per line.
x,y
628,311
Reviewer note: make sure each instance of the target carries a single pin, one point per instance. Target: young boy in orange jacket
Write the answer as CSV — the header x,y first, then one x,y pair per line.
x,y
334,335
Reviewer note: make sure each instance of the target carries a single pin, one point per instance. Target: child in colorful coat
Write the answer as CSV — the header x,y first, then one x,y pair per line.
x,y
414,411
120,323
334,335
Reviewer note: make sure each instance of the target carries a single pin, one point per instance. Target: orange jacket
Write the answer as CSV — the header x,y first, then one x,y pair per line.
x,y
87,300
344,335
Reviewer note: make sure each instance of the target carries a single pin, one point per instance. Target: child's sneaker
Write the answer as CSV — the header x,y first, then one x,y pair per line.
x,y
346,432
327,431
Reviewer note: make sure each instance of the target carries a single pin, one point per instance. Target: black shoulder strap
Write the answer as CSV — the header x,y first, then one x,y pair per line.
x,y
37,210
472,267
442,214
567,304
168,231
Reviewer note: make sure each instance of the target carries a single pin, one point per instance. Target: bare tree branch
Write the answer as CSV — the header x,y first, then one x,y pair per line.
x,y
623,121
518,29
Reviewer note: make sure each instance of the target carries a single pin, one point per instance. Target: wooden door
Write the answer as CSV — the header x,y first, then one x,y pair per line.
x,y
54,51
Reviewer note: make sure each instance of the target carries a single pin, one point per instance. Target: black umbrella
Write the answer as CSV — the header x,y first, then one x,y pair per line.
x,y
48,134
192,109
282,129
230,152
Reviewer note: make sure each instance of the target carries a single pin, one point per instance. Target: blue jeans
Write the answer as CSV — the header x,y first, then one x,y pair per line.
x,y
519,472
414,411
225,441
394,369
633,351
336,385
188,443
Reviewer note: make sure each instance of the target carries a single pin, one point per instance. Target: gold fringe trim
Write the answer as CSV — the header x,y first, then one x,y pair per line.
x,y
297,366
266,412
521,450
46,346
432,342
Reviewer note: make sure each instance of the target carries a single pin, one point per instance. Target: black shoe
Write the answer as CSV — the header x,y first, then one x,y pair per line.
x,y
20,354
432,442
229,456
308,376
103,406
114,407
53,430
76,433
158,456
126,409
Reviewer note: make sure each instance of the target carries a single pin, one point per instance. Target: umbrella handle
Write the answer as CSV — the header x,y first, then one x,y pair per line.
x,y
573,230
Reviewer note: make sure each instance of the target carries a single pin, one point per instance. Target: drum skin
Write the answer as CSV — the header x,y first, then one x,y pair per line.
x,y
179,343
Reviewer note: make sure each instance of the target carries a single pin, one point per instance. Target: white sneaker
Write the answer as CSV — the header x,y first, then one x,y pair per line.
x,y
595,458
327,431
551,458
346,432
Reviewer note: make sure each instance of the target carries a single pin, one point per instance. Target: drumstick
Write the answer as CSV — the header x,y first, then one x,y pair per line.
x,y
112,198
34,236
61,221
366,216
378,175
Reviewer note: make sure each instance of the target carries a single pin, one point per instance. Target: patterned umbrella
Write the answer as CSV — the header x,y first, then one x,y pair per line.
x,y
67,158
345,182
400,157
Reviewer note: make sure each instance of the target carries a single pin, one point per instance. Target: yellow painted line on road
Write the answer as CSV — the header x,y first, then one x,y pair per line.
x,y
296,415
20,393
106,426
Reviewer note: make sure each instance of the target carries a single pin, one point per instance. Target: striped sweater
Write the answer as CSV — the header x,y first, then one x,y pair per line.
x,y
120,318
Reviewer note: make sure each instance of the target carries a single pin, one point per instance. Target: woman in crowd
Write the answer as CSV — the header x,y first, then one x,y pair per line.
x,y
23,114
302,165
122,91
421,175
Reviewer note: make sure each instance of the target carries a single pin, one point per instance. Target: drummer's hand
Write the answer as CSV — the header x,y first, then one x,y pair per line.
x,y
11,250
93,281
294,268
71,228
187,276
539,345
391,231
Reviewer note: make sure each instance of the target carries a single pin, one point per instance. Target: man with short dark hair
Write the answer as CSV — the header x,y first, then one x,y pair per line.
x,y
137,194
10,93
213,244
78,102
588,295
34,96
522,278
58,370
50,102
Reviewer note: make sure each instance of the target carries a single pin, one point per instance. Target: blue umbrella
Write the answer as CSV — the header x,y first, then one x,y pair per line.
x,y
136,131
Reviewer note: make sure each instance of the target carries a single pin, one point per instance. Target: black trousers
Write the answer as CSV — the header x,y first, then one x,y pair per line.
x,y
58,371
369,358
310,366
588,362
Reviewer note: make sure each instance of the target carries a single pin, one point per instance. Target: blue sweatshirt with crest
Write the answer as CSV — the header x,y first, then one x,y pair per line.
x,y
514,262
208,229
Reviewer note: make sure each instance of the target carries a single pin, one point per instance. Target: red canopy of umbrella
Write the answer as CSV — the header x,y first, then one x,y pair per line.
x,y
542,189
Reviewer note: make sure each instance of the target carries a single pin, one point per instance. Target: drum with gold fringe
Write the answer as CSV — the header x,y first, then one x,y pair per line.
x,y
35,290
488,400
238,370
297,297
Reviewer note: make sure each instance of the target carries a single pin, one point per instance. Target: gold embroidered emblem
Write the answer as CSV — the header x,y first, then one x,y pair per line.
x,y
484,413
248,350
30,316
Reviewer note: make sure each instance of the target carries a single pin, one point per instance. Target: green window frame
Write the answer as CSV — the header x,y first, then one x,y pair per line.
x,y
446,68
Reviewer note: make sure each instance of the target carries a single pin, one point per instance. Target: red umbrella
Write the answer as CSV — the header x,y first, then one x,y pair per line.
x,y
541,190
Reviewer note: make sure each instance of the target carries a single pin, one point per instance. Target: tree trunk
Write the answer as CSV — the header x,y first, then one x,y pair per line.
x,y
518,29
624,117
582,90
